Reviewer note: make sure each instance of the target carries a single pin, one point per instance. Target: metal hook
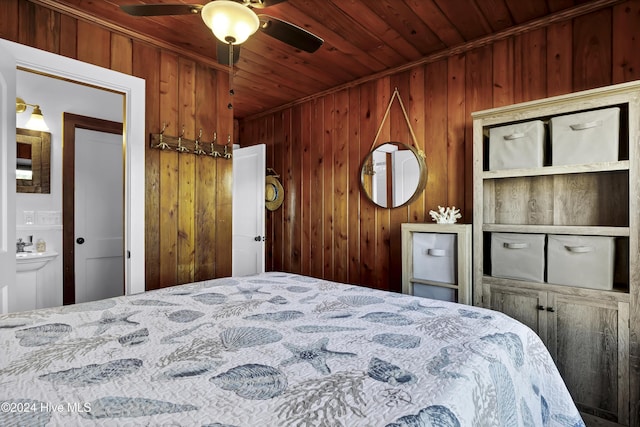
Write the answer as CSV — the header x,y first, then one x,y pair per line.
x,y
227,154
181,148
196,148
163,145
272,172
214,152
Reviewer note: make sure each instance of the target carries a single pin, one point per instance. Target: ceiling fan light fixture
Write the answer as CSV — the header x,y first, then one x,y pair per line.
x,y
229,21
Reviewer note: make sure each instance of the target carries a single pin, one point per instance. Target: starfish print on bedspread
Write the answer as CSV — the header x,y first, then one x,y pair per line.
x,y
249,292
315,354
108,320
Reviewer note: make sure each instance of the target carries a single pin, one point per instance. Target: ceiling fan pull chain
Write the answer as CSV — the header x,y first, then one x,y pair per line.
x,y
230,105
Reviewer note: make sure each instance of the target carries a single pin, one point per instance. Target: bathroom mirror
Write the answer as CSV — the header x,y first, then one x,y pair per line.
x,y
33,161
393,174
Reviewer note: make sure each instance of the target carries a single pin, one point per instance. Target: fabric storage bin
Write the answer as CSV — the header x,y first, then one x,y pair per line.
x,y
516,146
588,137
434,257
518,256
583,261
434,292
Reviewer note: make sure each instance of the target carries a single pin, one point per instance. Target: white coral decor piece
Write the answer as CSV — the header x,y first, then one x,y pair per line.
x,y
446,216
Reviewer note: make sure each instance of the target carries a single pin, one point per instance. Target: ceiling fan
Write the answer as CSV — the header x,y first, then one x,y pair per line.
x,y
233,22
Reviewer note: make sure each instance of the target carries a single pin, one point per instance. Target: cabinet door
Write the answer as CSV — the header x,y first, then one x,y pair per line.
x,y
524,305
588,340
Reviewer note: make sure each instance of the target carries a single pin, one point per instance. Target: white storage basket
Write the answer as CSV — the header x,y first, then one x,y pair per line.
x,y
434,292
434,257
583,261
518,256
588,137
515,146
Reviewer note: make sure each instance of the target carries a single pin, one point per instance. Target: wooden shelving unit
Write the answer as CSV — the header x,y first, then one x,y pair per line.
x,y
592,334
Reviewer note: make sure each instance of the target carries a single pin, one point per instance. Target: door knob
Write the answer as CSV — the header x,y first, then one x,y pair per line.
x,y
80,240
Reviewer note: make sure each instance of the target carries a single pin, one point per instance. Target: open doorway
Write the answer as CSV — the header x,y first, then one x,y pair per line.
x,y
49,211
133,101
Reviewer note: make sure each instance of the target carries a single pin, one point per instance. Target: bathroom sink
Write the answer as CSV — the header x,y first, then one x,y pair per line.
x,y
31,261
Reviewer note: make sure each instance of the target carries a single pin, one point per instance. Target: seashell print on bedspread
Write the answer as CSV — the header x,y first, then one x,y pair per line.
x,y
43,334
132,407
24,417
242,337
253,381
277,349
93,374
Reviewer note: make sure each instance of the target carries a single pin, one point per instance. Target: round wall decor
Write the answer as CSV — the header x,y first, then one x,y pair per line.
x,y
273,193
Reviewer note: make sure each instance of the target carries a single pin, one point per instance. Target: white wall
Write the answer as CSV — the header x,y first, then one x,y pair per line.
x,y
55,96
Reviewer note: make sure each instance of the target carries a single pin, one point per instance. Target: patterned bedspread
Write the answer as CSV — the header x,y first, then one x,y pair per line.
x,y
276,350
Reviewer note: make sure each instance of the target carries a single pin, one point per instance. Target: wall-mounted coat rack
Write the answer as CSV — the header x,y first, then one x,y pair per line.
x,y
185,145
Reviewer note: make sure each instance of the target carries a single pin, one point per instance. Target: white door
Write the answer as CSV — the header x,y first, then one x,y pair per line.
x,y
99,263
379,183
406,174
7,178
249,173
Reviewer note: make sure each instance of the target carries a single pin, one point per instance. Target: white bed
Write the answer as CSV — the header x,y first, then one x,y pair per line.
x,y
276,349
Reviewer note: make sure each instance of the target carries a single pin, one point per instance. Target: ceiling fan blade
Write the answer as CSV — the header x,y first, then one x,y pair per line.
x,y
290,34
261,4
223,52
161,9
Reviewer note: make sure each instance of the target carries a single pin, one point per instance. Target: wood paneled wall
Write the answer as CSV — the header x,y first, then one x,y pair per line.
x,y
326,228
188,198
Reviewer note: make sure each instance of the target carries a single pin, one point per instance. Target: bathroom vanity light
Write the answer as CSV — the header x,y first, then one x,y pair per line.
x,y
36,122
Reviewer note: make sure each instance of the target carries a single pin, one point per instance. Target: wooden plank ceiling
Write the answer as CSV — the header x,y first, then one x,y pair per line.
x,y
362,38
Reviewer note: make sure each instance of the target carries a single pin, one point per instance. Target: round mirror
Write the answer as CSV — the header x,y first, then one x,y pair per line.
x,y
393,174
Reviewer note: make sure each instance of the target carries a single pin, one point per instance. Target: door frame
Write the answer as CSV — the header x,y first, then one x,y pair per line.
x,y
7,185
133,89
71,122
